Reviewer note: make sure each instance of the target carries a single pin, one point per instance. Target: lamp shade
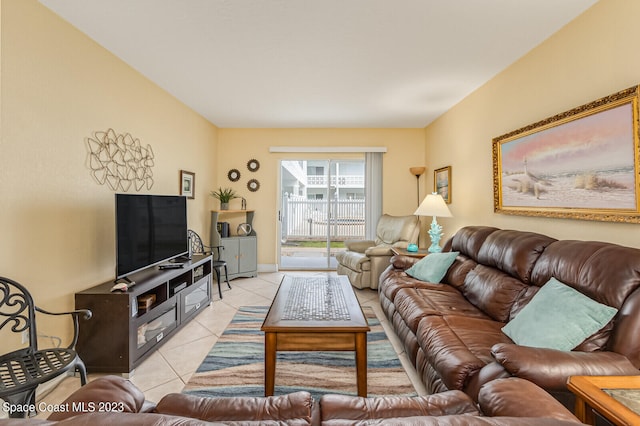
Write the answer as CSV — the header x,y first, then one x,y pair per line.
x,y
433,205
417,171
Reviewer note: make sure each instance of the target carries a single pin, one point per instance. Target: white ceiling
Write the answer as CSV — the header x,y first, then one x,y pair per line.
x,y
319,63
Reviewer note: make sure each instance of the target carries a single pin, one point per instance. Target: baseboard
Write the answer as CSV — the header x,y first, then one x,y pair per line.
x,y
267,267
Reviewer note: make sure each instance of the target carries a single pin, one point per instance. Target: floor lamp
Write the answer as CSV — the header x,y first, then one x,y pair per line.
x,y
417,172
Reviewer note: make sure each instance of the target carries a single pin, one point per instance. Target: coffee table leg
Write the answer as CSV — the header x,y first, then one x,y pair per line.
x,y
269,363
583,412
361,363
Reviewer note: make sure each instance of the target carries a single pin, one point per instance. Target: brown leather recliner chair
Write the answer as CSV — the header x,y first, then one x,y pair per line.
x,y
364,260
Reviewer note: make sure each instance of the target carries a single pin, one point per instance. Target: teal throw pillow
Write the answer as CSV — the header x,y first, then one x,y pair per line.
x,y
558,317
433,267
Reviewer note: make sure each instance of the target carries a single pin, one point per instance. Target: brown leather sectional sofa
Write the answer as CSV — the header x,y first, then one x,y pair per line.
x,y
502,402
452,331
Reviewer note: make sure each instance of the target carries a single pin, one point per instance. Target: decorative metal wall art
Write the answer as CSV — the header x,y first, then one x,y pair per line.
x,y
120,161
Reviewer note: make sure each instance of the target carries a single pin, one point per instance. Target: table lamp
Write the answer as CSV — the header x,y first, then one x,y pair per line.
x,y
434,205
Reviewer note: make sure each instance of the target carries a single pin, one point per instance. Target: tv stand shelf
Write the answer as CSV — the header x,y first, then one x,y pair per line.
x,y
127,327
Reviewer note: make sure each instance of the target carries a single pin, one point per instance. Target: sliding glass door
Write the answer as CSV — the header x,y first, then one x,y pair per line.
x,y
322,204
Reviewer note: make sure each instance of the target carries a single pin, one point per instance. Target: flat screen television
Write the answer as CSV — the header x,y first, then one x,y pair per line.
x,y
150,229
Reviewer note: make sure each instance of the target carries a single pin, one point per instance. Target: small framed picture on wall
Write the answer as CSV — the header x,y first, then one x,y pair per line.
x,y
187,184
442,183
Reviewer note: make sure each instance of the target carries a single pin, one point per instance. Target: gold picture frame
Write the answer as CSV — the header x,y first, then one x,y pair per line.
x,y
580,164
187,184
442,183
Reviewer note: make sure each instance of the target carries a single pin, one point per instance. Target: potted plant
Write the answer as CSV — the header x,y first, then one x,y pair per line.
x,y
224,195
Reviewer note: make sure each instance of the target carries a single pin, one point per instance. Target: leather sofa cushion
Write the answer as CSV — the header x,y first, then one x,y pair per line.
x,y
514,252
354,408
458,271
413,304
292,409
493,291
458,346
469,239
138,419
395,280
606,273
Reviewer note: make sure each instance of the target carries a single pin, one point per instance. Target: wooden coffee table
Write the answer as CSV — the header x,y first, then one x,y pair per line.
x,y
315,313
616,398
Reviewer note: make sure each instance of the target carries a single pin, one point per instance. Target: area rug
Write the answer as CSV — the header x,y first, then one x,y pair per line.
x,y
235,364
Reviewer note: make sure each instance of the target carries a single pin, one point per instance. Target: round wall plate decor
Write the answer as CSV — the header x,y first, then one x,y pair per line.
x,y
253,165
253,185
234,175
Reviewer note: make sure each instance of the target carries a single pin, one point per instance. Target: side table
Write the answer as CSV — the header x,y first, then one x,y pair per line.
x,y
404,252
616,398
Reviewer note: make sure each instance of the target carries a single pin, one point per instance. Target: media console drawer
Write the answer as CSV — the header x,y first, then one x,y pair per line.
x,y
153,331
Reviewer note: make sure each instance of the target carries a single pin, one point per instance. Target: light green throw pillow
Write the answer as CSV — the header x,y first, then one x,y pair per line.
x,y
558,317
433,267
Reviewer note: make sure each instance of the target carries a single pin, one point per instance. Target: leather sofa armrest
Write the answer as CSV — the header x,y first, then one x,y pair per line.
x,y
115,392
359,246
344,407
489,372
550,368
297,406
381,250
404,262
514,397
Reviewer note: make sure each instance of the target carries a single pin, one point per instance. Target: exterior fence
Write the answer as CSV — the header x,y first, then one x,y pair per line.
x,y
304,219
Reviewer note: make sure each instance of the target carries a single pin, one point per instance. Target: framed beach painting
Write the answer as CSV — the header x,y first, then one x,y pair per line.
x,y
580,164
442,183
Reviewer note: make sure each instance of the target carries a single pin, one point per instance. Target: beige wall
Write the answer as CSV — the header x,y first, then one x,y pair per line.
x,y
237,146
58,87
591,57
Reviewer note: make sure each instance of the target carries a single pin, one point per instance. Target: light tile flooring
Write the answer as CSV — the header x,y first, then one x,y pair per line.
x,y
170,367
